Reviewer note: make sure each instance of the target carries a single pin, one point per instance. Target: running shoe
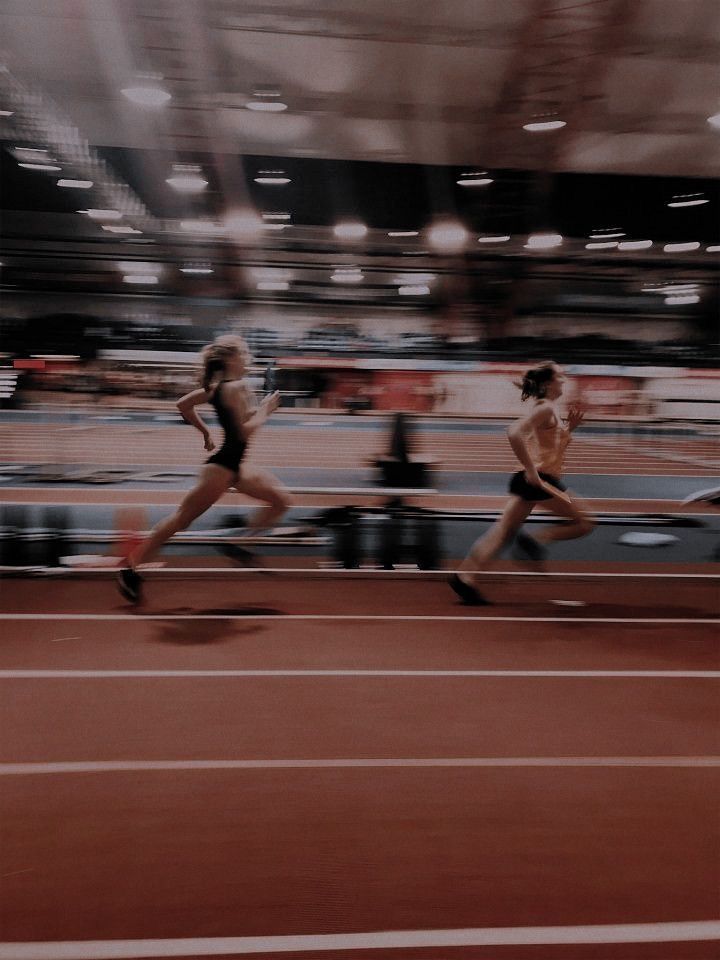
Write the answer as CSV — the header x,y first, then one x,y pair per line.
x,y
468,595
129,583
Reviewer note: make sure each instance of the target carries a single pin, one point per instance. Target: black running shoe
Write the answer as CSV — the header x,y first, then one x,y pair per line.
x,y
468,595
129,584
528,549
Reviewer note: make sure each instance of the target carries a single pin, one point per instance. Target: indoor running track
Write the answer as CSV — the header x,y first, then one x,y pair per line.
x,y
351,767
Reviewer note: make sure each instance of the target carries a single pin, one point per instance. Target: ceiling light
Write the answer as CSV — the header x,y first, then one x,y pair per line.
x,y
538,126
635,244
120,229
350,230
543,241
476,179
272,178
274,226
200,226
668,288
273,285
681,247
601,245
7,113
688,200
403,233
500,238
50,167
187,178
198,270
682,299
266,99
418,290
78,184
137,278
102,214
713,249
347,275
147,96
243,224
276,216
714,121
607,233
448,237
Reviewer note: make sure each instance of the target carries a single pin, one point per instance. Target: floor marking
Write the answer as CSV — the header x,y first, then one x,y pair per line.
x,y
430,674
680,932
124,766
287,617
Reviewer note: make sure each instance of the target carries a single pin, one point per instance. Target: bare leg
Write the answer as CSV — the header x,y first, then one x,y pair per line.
x,y
214,481
581,523
491,543
264,486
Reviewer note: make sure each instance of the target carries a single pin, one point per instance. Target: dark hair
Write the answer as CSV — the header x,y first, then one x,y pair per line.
x,y
535,381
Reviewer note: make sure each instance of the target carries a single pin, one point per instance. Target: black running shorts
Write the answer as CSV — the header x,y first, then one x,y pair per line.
x,y
521,488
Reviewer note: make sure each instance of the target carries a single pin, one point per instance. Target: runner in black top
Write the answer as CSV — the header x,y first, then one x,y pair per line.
x,y
225,362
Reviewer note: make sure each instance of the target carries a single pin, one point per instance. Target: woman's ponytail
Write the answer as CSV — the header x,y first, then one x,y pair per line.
x,y
535,381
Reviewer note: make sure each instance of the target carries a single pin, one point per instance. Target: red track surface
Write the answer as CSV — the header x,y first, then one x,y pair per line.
x,y
263,851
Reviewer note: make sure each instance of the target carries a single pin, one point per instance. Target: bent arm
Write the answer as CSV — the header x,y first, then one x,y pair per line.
x,y
256,418
186,405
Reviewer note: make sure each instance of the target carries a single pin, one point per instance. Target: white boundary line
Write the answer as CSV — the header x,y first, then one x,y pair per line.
x,y
325,674
359,617
124,766
679,932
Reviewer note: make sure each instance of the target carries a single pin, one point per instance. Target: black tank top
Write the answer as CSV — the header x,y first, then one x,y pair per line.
x,y
233,445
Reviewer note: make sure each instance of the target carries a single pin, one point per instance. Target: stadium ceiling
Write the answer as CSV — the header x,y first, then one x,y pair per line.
x,y
349,95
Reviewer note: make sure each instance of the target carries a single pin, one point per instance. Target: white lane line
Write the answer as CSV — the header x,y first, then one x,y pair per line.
x,y
121,766
678,932
185,674
348,616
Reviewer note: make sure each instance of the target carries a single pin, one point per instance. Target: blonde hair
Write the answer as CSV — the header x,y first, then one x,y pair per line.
x,y
535,381
216,355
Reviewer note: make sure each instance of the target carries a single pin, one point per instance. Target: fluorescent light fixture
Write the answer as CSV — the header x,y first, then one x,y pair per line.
x,y
274,226
681,299
715,248
714,121
266,106
55,356
120,229
448,237
539,126
199,271
102,214
276,216
50,167
681,247
601,245
137,278
272,178
416,290
137,266
476,179
7,113
635,245
500,238
688,200
347,275
403,233
668,288
543,241
187,181
200,226
78,184
273,285
350,230
611,233
147,96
